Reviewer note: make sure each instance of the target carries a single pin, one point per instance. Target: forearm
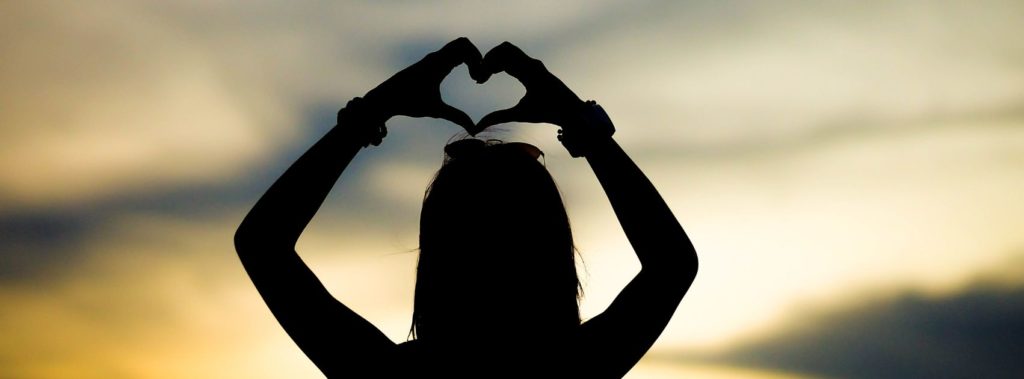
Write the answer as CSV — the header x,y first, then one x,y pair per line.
x,y
281,214
650,226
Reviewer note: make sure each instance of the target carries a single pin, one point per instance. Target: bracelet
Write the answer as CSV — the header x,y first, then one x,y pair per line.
x,y
593,127
358,117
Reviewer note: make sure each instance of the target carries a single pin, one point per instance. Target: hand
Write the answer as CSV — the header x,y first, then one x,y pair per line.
x,y
415,91
547,99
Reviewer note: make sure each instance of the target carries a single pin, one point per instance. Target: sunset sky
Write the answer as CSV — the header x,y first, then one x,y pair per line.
x,y
851,174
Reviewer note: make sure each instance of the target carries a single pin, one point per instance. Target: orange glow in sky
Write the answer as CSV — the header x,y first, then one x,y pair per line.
x,y
825,159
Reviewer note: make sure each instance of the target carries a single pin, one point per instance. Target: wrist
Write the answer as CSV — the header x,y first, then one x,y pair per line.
x,y
590,129
364,121
372,107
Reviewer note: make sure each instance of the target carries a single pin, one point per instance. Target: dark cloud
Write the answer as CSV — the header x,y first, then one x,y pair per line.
x,y
35,241
44,240
32,241
975,333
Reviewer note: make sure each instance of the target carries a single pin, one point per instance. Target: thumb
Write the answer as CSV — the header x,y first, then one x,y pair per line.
x,y
455,115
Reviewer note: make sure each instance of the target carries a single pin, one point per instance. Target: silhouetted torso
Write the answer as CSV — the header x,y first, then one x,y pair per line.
x,y
487,358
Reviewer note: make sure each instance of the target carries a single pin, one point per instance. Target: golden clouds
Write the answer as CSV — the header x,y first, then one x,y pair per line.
x,y
812,152
165,299
107,99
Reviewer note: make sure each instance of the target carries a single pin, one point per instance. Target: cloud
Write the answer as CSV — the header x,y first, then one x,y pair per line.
x,y
102,99
166,297
972,333
779,224
720,73
865,143
179,94
33,242
117,98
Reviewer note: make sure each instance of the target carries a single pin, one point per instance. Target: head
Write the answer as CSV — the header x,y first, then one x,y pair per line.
x,y
496,250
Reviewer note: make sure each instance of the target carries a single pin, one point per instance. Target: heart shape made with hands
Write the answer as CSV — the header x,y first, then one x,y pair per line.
x,y
499,91
416,90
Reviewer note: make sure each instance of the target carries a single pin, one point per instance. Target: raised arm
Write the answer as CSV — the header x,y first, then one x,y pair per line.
x,y
633,322
617,338
336,339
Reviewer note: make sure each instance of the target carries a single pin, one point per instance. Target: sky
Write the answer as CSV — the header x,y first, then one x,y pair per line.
x,y
851,174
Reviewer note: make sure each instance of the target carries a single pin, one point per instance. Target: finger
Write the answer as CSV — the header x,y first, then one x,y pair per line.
x,y
457,116
513,114
460,51
508,58
501,57
466,52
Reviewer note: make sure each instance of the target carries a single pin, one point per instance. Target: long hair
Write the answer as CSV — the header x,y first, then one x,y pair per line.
x,y
495,247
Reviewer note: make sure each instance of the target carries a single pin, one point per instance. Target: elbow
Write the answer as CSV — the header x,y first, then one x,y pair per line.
x,y
677,269
248,238
692,264
252,237
686,265
244,240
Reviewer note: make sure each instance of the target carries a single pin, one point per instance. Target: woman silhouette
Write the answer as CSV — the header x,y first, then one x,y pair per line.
x,y
496,290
